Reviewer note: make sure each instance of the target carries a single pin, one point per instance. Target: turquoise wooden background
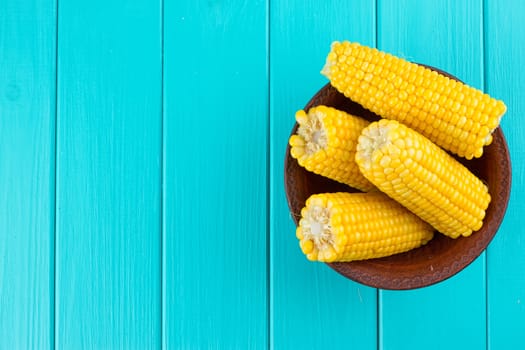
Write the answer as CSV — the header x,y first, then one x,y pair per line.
x,y
141,175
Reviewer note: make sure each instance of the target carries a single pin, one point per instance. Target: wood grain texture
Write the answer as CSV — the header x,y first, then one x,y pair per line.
x,y
215,183
505,47
447,35
108,176
312,307
27,141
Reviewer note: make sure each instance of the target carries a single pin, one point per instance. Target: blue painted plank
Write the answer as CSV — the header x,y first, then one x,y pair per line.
x,y
27,141
447,35
505,47
312,307
215,179
108,256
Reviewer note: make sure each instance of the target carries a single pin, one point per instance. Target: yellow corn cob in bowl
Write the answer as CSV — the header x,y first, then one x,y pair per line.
x,y
325,143
357,226
422,177
457,117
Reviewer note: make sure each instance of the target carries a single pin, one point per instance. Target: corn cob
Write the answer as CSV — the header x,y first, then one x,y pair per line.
x,y
457,117
325,143
422,177
356,226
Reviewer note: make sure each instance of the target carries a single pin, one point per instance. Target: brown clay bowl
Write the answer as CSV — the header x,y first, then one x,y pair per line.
x,y
439,259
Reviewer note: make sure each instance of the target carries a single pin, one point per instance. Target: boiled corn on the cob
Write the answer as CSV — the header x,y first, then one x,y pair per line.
x,y
457,117
422,177
325,143
357,226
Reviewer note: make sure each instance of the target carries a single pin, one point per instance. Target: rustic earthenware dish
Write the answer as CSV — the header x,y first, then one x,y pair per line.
x,y
442,257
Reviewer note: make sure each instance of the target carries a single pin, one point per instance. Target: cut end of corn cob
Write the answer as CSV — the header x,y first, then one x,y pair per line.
x,y
455,116
357,226
325,143
422,177
311,135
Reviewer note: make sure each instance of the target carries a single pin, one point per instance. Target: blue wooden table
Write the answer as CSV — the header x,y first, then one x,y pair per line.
x,y
141,175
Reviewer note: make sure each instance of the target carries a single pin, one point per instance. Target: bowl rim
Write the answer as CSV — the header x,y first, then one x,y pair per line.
x,y
379,273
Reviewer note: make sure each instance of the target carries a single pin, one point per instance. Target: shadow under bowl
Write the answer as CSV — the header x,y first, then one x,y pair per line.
x,y
439,259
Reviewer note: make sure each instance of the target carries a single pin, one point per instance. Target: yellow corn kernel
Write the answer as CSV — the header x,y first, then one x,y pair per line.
x,y
357,226
325,144
428,181
447,101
